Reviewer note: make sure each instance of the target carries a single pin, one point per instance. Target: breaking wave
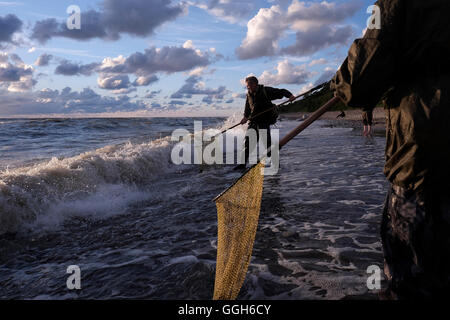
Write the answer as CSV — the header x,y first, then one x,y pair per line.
x,y
102,181
97,183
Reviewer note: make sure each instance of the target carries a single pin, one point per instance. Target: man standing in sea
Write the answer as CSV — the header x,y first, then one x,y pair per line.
x,y
260,111
406,63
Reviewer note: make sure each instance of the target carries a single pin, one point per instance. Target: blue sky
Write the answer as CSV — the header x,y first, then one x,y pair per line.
x,y
166,58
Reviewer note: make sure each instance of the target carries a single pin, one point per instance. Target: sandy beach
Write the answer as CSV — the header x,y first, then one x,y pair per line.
x,y
352,118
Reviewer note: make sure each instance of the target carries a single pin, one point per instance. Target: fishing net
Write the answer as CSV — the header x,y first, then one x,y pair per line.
x,y
237,214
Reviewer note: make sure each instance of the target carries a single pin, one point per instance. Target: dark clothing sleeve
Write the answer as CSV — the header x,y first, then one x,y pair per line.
x,y
261,100
275,94
371,66
247,110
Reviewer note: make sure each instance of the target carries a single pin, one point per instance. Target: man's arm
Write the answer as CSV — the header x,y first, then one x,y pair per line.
x,y
371,66
247,112
275,94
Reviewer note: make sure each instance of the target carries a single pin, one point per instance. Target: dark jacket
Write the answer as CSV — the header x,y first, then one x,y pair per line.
x,y
259,102
407,63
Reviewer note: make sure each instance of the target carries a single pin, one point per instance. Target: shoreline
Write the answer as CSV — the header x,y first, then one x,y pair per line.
x,y
353,119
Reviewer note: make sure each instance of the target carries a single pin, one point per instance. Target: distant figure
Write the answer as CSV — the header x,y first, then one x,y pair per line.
x,y
406,63
341,115
367,117
259,99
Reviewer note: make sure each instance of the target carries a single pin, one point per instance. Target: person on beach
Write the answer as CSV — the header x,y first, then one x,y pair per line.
x,y
341,115
367,117
406,64
259,99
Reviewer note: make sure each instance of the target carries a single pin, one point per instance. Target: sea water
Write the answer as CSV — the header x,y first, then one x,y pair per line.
x,y
103,194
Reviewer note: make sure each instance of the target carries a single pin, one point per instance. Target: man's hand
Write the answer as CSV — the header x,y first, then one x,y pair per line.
x,y
244,120
291,98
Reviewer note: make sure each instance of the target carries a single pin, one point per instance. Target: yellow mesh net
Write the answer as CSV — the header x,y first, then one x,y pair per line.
x,y
237,215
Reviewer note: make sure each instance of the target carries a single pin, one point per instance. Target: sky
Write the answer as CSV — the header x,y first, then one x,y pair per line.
x,y
158,58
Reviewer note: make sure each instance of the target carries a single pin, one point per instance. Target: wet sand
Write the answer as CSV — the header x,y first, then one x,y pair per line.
x,y
353,118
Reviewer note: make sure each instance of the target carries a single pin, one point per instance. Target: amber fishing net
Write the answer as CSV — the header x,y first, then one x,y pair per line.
x,y
237,215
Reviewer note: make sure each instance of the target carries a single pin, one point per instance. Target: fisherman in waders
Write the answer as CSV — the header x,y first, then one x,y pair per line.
x,y
406,63
259,99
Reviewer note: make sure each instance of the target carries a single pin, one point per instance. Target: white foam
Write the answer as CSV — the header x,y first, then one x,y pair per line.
x,y
352,202
97,183
185,259
107,201
369,216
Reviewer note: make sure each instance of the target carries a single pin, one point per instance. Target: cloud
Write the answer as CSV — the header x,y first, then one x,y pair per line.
x,y
220,108
153,60
67,68
282,3
66,101
15,75
125,91
114,72
189,44
199,71
307,15
306,88
317,38
194,86
138,17
152,94
177,103
207,99
116,17
145,80
89,101
16,59
239,95
230,11
43,60
263,33
12,73
286,73
23,85
317,62
120,83
327,74
145,65
156,105
9,25
172,105
114,83
317,26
